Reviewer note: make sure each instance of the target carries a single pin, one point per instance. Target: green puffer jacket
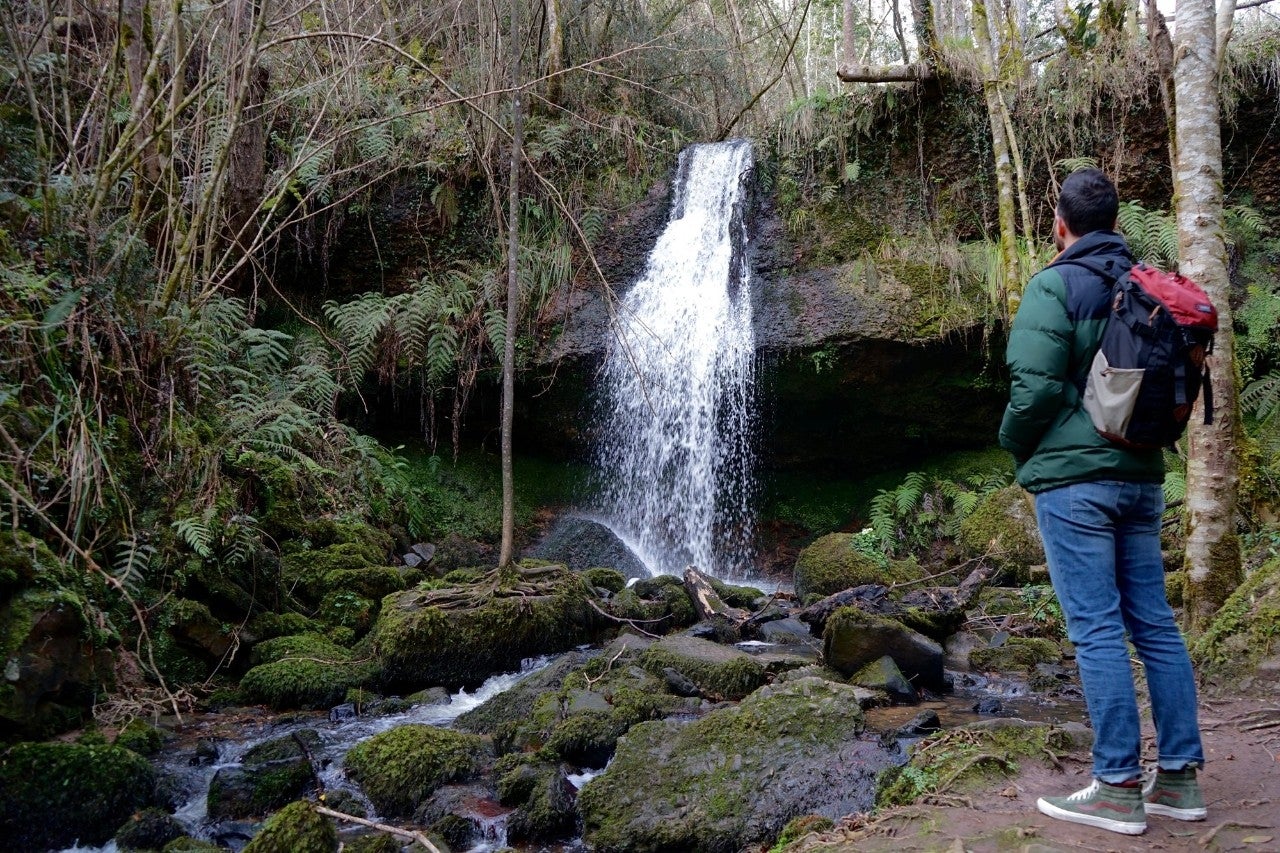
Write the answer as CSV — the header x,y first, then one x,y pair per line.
x,y
1053,340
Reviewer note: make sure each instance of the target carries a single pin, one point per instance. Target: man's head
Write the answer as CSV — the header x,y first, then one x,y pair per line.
x,y
1088,202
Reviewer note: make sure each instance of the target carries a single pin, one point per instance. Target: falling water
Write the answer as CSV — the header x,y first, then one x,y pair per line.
x,y
676,456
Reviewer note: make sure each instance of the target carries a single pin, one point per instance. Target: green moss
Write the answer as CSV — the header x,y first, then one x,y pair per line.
x,y
1244,632
799,827
719,671
56,793
661,598
720,763
304,671
1017,653
609,579
149,829
140,737
1174,585
832,564
398,769
268,626
373,582
423,643
345,609
378,842
544,806
950,761
306,572
736,596
1003,526
187,844
296,828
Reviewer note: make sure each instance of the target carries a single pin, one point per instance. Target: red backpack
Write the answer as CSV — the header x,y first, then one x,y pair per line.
x,y
1150,366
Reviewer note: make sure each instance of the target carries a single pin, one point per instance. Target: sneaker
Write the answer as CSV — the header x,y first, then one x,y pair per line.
x,y
1174,794
1117,808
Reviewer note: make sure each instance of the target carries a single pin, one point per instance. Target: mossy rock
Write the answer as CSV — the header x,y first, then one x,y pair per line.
x,y
513,707
832,564
610,579
372,582
853,638
953,760
1243,640
720,671
27,561
662,598
296,828
376,842
56,793
345,609
304,671
458,637
736,596
268,626
141,737
307,572
733,778
1003,526
55,663
187,844
270,775
1015,654
544,802
339,531
149,829
398,769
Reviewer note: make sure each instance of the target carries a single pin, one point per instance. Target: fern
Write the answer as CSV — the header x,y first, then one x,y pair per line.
x,y
1262,396
1075,164
1152,234
195,533
131,563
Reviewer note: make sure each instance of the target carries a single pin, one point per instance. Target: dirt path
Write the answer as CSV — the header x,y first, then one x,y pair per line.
x,y
1241,783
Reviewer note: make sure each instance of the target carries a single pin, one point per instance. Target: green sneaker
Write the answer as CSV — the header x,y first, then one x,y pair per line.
x,y
1117,808
1174,794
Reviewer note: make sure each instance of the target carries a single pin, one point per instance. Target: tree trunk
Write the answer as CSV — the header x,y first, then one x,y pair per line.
x,y
1006,201
555,50
246,161
506,554
138,38
1213,550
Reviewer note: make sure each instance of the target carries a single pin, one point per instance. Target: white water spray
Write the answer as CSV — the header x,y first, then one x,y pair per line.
x,y
676,459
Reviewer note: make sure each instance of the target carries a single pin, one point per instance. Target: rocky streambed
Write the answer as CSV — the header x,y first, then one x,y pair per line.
x,y
667,714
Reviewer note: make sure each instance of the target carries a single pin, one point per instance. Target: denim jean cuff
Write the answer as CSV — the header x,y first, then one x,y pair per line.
x,y
1117,778
1176,764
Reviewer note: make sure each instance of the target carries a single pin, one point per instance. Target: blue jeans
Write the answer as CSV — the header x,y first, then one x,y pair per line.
x,y
1102,540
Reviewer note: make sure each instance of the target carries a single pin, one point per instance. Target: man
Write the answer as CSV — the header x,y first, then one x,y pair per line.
x,y
1099,506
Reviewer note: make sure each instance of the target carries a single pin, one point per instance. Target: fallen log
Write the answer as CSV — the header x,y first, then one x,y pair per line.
x,y
707,601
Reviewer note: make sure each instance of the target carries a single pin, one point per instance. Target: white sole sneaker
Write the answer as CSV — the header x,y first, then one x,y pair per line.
x,y
1124,827
1175,813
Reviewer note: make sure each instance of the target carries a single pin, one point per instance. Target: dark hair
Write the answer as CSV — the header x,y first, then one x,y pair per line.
x,y
1088,202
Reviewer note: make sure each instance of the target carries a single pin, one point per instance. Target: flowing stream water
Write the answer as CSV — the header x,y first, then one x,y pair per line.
x,y
191,781
676,459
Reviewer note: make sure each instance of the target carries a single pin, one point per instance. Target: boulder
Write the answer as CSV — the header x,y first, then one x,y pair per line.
x,y
460,635
140,737
852,639
515,705
832,564
719,671
544,800
581,543
735,777
297,828
58,793
400,768
269,776
661,603
883,674
149,829
1022,654
1239,647
55,663
1003,526
304,671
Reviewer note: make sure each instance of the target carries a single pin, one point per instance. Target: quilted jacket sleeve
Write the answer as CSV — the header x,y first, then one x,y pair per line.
x,y
1038,354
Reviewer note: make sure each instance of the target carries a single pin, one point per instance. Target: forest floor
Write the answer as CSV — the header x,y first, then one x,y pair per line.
x,y
1241,784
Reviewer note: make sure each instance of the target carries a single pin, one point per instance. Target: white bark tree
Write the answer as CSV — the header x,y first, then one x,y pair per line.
x,y
1212,550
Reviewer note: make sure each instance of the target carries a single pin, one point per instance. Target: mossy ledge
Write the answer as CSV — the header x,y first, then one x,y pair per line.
x,y
459,635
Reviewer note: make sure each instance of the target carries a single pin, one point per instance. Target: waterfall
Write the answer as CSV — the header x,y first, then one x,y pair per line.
x,y
676,415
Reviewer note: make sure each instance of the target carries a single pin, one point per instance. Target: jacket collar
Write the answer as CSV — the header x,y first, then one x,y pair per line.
x,y
1104,252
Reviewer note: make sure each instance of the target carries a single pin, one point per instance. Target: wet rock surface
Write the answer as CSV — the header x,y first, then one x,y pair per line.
x,y
736,775
581,544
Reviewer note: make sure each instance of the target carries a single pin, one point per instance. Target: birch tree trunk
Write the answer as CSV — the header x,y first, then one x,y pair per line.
x,y
555,50
1006,202
506,551
1213,550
